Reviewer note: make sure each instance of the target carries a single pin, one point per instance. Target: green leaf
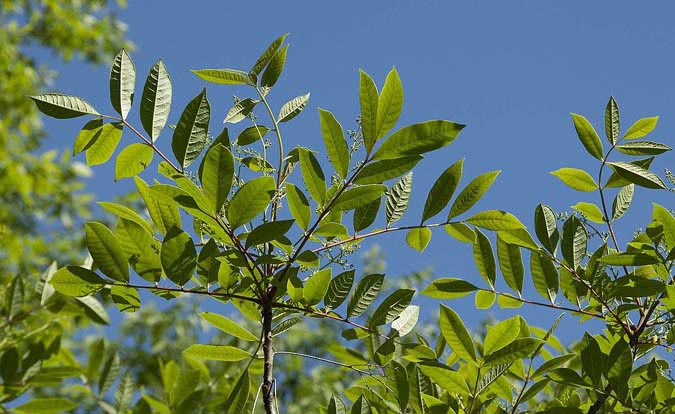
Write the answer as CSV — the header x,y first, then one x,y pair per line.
x,y
240,110
472,193
501,334
330,229
485,299
484,256
590,211
365,215
620,368
338,289
629,259
217,175
612,121
449,288
364,294
164,215
544,275
156,100
298,205
126,298
336,406
228,326
391,307
622,201
361,406
551,364
132,160
14,298
63,106
456,334
223,76
76,281
45,406
643,148
418,238
546,227
578,179
641,127
358,196
122,83
93,309
417,139
441,192
368,99
274,68
665,217
124,394
267,232
574,242
398,197
239,394
104,144
336,145
267,55
106,251
141,249
292,108
591,359
312,175
217,353
381,171
637,175
495,220
192,130
125,213
87,135
317,286
518,349
178,256
511,264
252,134
588,136
616,181
461,232
444,377
519,237
390,104
251,200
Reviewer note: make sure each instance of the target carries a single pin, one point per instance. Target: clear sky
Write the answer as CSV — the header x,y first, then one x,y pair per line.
x,y
511,70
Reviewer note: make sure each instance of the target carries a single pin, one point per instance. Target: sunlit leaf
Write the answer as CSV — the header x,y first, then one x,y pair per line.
x,y
574,242
612,121
456,334
223,76
267,55
449,288
274,68
520,348
358,196
546,227
418,238
441,192
298,205
641,127
63,106
228,326
269,231
178,256
217,353
417,139
122,83
191,132
252,134
391,307
156,100
577,179
472,193
511,264
622,201
364,294
398,197
501,334
368,99
590,211
292,108
336,145
588,136
104,144
106,251
317,286
76,281
389,104
381,171
643,148
132,160
250,200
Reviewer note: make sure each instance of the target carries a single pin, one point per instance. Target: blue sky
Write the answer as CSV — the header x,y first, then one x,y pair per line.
x,y
511,71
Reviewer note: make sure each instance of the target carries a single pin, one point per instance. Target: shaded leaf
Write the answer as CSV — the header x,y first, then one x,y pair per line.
x,y
546,227
267,55
178,256
637,175
338,289
622,201
381,171
336,145
391,307
312,175
612,121
643,148
267,232
191,132
298,205
511,264
274,68
449,288
364,294
358,196
368,99
441,192
106,251
484,257
398,197
252,134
